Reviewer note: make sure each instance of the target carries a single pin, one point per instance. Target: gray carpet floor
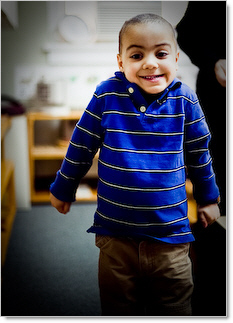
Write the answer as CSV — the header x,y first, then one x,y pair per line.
x,y
51,267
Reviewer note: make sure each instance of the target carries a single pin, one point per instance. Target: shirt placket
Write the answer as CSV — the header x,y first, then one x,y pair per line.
x,y
137,99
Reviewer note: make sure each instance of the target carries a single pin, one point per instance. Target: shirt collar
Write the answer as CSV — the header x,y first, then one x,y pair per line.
x,y
137,97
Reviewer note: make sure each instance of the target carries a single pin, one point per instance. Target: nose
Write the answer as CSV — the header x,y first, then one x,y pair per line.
x,y
150,62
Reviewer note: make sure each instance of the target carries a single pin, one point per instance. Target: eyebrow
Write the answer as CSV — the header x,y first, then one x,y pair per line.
x,y
141,47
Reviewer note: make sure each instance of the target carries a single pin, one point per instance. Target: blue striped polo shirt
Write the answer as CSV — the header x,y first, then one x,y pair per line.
x,y
145,153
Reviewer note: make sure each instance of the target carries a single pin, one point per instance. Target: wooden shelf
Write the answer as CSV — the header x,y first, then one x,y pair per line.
x,y
192,205
8,203
51,152
48,152
7,168
72,115
40,196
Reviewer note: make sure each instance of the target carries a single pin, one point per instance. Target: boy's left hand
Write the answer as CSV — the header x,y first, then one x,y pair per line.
x,y
208,214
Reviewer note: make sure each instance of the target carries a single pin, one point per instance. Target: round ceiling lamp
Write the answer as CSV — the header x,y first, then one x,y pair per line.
x,y
73,29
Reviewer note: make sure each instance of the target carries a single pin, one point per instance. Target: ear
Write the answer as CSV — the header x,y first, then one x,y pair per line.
x,y
120,63
177,58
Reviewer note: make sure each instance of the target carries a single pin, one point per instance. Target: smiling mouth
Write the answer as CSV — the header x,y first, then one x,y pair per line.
x,y
152,77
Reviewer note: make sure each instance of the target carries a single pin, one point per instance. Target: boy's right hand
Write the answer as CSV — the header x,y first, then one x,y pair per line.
x,y
62,207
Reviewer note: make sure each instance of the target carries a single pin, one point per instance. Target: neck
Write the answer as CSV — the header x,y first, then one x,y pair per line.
x,y
150,97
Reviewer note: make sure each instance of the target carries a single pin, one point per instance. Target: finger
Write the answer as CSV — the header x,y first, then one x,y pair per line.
x,y
66,208
60,209
221,76
203,220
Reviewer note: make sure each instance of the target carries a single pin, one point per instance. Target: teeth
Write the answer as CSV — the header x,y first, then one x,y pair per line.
x,y
151,77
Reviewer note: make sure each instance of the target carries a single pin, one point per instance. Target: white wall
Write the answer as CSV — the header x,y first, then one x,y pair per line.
x,y
16,149
23,45
173,11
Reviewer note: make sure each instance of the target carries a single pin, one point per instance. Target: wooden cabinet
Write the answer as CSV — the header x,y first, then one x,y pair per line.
x,y
54,151
192,205
8,203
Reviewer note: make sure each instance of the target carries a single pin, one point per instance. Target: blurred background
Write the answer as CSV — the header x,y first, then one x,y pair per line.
x,y
53,54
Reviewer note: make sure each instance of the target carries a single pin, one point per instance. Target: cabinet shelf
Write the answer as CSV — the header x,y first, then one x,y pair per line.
x,y
8,201
45,153
38,115
48,152
7,169
43,196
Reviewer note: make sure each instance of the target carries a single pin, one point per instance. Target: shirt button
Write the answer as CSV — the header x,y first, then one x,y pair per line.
x,y
131,90
142,108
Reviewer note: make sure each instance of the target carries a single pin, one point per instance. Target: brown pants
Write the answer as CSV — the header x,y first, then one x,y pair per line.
x,y
138,278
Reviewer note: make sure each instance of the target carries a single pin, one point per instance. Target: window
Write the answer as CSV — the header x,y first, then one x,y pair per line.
x,y
112,14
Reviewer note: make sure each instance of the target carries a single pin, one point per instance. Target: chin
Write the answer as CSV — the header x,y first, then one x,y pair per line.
x,y
155,91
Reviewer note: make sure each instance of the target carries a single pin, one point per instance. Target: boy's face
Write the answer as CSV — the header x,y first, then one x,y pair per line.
x,y
149,56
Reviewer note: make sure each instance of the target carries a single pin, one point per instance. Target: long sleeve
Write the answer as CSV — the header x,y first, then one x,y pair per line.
x,y
198,159
82,148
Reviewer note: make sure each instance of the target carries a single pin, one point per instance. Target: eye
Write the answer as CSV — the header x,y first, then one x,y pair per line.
x,y
136,56
162,54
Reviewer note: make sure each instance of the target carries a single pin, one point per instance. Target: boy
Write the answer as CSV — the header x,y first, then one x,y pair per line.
x,y
148,126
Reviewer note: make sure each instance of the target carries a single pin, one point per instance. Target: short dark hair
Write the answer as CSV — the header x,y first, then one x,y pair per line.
x,y
144,18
